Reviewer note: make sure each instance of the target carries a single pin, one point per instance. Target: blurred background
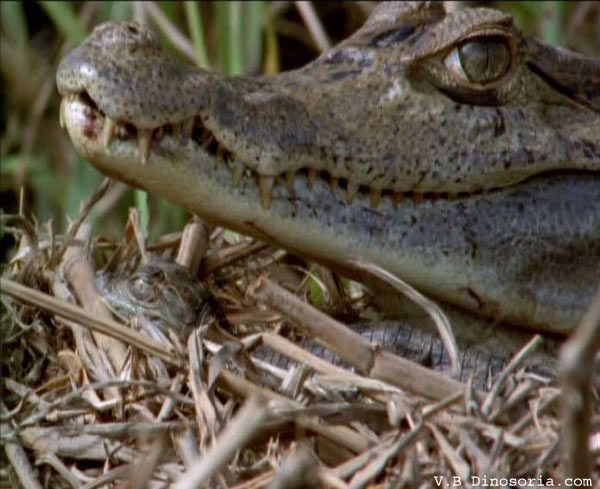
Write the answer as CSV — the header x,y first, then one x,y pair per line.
x,y
43,177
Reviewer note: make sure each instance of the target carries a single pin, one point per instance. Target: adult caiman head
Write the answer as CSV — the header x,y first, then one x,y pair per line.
x,y
445,147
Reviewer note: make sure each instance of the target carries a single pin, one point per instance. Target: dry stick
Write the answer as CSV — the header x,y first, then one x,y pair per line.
x,y
177,39
192,248
514,363
81,316
299,469
239,431
259,482
206,415
373,469
577,370
194,243
355,464
145,466
80,274
340,435
300,355
431,308
352,347
17,456
74,227
310,18
116,474
228,256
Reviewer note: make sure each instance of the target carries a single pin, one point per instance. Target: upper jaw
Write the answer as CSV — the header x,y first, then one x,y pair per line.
x,y
277,136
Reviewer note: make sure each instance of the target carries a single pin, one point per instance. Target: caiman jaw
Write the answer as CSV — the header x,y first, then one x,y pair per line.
x,y
484,195
88,124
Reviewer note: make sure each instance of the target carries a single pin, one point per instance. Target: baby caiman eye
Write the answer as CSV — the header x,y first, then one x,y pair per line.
x,y
481,61
142,289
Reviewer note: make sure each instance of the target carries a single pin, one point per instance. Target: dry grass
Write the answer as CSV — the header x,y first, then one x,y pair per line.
x,y
210,410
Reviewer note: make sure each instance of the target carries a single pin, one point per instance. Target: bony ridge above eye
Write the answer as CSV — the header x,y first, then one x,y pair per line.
x,y
480,60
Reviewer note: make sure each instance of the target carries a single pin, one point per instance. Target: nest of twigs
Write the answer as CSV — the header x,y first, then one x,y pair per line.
x,y
89,402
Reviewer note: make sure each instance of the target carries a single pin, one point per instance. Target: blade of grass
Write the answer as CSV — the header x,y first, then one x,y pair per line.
x,y
117,10
13,23
253,35
65,19
551,21
271,63
194,22
141,202
229,48
82,182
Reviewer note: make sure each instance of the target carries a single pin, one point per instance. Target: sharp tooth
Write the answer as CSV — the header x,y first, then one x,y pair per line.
x,y
452,196
206,143
221,152
265,185
109,131
175,130
351,191
62,119
375,196
397,197
334,182
238,172
144,142
312,174
289,178
417,197
186,129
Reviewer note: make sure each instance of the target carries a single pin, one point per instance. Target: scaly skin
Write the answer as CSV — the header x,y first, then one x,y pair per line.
x,y
446,148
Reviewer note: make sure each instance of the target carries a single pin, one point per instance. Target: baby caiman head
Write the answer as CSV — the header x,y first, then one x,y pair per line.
x,y
418,102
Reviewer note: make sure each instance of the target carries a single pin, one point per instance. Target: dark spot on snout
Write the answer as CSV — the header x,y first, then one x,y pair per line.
x,y
395,36
340,75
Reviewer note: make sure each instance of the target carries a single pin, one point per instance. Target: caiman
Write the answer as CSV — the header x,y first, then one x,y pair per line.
x,y
445,147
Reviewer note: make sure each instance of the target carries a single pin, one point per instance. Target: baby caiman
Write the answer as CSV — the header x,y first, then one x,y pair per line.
x,y
445,147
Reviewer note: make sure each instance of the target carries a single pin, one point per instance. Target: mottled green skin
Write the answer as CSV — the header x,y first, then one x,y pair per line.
x,y
383,111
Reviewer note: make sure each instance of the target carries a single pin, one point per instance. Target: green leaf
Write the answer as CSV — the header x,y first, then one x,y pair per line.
x,y
63,16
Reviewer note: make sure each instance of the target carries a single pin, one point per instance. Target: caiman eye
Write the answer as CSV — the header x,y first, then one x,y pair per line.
x,y
481,61
142,289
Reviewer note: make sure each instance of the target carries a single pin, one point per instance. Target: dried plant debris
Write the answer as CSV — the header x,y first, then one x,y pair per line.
x,y
143,375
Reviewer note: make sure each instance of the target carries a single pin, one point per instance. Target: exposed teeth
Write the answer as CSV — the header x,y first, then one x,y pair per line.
x,y
209,139
175,130
417,197
312,174
265,185
144,142
375,196
109,131
221,151
186,129
397,197
237,169
334,183
351,191
289,178
62,119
